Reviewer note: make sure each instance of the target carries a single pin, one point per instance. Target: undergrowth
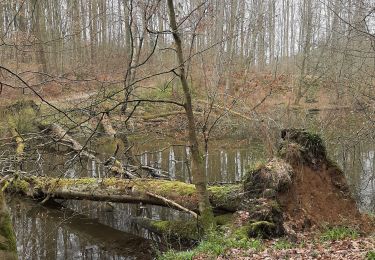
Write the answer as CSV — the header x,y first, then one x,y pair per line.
x,y
370,255
339,233
283,244
215,244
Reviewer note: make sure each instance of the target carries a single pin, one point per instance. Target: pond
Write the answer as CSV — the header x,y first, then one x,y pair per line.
x,y
85,230
97,230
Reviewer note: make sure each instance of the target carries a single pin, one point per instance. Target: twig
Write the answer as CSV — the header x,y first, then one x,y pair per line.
x,y
174,204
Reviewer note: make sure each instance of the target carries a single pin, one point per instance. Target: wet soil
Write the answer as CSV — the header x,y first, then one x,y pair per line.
x,y
320,196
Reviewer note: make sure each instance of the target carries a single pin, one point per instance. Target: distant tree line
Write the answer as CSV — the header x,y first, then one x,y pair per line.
x,y
315,40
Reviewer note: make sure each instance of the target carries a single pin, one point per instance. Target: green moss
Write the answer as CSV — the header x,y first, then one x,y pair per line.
x,y
224,190
221,195
161,225
207,220
262,229
224,219
21,186
160,187
22,120
242,232
167,187
186,230
312,145
43,182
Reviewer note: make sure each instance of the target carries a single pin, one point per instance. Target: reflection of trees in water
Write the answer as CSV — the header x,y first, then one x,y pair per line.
x,y
44,233
367,180
221,165
121,216
358,162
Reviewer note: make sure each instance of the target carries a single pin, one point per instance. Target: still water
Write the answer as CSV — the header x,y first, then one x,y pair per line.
x,y
96,230
86,230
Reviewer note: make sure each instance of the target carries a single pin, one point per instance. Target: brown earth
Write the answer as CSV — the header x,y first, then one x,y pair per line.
x,y
320,196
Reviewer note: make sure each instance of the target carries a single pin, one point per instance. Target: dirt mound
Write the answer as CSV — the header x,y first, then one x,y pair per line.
x,y
301,189
318,194
319,197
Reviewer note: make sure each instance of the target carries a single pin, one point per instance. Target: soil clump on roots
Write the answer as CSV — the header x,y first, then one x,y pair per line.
x,y
306,189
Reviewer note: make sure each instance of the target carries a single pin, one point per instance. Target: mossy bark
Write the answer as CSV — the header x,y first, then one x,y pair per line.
x,y
186,232
8,247
127,191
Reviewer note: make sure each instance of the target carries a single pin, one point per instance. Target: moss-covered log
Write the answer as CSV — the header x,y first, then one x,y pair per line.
x,y
63,138
181,231
8,247
127,191
185,231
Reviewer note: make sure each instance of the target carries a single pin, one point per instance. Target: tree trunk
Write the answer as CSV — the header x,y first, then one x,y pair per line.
x,y
199,177
129,191
76,28
93,29
307,40
38,29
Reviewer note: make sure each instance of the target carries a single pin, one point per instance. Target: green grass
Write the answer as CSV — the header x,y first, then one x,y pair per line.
x,y
213,245
370,255
283,244
176,255
339,233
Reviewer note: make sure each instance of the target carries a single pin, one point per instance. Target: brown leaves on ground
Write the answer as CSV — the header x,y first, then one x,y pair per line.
x,y
343,249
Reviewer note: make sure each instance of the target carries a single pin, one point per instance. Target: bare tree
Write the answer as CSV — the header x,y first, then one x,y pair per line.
x,y
199,177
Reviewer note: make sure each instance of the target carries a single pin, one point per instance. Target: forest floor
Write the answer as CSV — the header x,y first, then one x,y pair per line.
x,y
262,90
336,243
359,248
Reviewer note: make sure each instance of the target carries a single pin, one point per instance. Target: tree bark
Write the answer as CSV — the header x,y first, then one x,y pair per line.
x,y
38,29
93,29
199,177
128,191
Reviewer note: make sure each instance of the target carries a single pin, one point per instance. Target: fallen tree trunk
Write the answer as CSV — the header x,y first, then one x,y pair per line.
x,y
62,137
175,232
166,114
20,144
225,197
